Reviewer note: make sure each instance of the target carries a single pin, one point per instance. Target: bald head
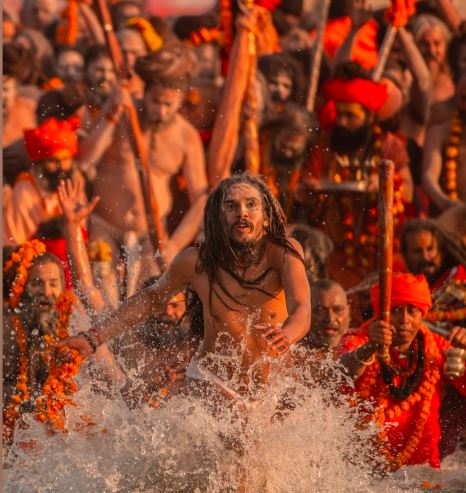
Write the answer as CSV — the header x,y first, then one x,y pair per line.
x,y
330,314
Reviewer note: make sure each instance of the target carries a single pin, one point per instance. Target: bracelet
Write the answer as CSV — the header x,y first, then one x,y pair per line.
x,y
361,361
89,340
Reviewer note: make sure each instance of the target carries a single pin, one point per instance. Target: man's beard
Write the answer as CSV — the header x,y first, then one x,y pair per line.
x,y
53,179
282,161
344,141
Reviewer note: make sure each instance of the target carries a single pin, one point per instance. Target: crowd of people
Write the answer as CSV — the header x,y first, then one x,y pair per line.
x,y
180,208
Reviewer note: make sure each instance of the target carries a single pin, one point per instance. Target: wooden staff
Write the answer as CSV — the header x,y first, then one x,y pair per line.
x,y
385,49
385,243
154,222
317,56
251,136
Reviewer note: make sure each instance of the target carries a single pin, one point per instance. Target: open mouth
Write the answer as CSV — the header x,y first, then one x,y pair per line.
x,y
242,226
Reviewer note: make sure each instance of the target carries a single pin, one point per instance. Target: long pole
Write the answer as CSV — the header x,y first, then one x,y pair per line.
x,y
154,222
317,56
385,243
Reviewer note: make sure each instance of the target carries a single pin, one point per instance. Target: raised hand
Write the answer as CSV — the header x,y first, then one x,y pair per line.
x,y
458,337
69,194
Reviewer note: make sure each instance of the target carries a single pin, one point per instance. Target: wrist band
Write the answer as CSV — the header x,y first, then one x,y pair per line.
x,y
89,340
361,361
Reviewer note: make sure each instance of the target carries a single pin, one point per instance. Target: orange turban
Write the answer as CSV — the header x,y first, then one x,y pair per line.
x,y
367,93
52,136
407,289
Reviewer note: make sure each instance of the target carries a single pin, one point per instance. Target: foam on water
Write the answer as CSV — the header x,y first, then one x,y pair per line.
x,y
185,447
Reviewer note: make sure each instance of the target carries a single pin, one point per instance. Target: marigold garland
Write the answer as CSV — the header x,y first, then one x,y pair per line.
x,y
23,259
399,12
59,386
67,30
151,37
447,315
361,249
99,251
451,155
370,385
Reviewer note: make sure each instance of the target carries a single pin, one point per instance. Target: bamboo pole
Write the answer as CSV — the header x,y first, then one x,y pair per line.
x,y
385,49
317,56
385,244
251,136
154,222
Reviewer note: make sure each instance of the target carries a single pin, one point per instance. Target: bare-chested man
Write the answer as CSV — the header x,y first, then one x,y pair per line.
x,y
250,279
174,149
444,163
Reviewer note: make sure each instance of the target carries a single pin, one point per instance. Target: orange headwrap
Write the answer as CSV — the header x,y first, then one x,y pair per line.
x,y
52,136
407,289
367,93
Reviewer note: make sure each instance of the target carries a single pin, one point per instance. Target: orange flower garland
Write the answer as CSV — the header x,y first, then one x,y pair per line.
x,y
67,30
399,12
359,251
419,402
11,411
451,155
446,315
59,385
99,251
23,258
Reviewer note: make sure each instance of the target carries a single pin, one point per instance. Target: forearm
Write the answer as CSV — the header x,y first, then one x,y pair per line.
x,y
128,316
94,145
226,127
81,268
297,325
189,226
422,83
450,14
435,193
356,361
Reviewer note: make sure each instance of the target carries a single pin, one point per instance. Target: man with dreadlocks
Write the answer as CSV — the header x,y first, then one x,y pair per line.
x,y
252,284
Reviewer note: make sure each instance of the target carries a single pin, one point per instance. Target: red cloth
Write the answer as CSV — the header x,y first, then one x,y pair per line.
x,y
407,289
52,136
367,93
427,451
57,246
364,52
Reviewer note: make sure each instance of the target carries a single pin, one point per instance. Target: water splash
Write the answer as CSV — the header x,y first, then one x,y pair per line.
x,y
311,445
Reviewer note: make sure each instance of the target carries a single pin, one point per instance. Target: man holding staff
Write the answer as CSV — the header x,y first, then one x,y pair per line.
x,y
252,284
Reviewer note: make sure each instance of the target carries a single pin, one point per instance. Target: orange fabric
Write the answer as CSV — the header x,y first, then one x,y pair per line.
x,y
52,136
407,289
365,50
427,451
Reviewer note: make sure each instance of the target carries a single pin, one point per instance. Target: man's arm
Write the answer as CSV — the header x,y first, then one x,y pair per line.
x,y
196,181
432,167
298,295
139,307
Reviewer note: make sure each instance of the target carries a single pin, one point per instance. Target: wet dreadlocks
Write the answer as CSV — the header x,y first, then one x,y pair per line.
x,y
218,251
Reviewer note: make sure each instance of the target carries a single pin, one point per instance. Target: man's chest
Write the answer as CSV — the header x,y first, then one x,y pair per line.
x,y
165,151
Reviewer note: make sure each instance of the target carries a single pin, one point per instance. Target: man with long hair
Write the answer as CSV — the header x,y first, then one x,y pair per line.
x,y
252,284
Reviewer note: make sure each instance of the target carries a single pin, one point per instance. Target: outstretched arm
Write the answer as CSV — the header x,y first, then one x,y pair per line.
x,y
75,213
139,307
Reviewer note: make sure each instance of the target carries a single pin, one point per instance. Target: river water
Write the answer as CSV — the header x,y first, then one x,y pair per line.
x,y
185,447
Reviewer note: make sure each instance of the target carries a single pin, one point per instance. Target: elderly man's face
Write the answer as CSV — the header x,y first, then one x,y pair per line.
x,y
422,255
330,316
433,46
289,145
46,11
208,57
132,46
44,286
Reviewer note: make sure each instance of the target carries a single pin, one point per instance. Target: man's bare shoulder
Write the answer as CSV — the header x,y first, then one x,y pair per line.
x,y
186,261
188,131
278,253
